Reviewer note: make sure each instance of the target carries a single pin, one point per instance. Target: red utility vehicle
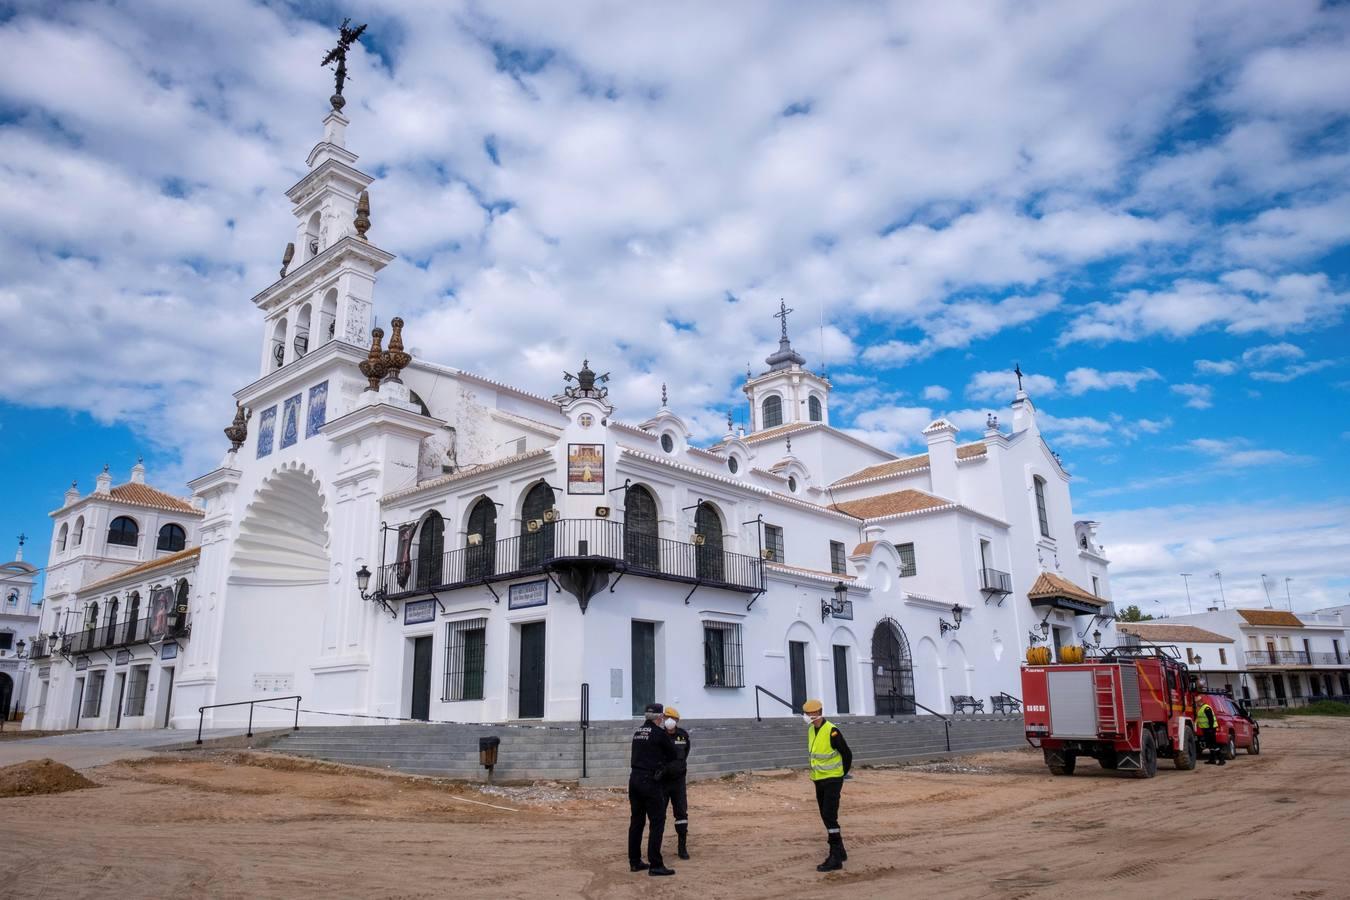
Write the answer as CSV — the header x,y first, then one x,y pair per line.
x,y
1236,729
1125,707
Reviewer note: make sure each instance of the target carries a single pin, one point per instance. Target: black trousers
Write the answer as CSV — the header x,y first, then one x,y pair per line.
x,y
827,800
678,791
646,805
1211,740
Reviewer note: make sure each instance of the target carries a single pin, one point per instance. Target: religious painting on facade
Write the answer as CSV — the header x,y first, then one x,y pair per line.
x,y
290,421
318,409
405,541
161,607
585,468
267,425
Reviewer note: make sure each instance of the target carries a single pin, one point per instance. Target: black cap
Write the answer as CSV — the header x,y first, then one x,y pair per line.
x,y
655,708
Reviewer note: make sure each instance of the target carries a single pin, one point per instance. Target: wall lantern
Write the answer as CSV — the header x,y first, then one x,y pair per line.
x,y
835,607
1035,638
955,625
376,596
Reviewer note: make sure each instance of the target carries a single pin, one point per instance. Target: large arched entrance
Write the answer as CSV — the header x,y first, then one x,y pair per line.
x,y
893,670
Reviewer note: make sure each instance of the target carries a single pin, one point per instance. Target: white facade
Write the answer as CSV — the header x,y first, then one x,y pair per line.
x,y
20,610
539,550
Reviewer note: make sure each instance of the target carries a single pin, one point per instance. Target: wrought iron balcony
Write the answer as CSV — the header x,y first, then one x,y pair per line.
x,y
992,581
123,634
1277,658
571,539
42,647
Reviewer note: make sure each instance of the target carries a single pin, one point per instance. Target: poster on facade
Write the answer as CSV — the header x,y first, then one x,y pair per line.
x,y
267,426
419,611
161,607
290,421
318,409
405,540
585,468
531,593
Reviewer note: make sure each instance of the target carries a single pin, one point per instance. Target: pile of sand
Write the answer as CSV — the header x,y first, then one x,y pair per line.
x,y
40,776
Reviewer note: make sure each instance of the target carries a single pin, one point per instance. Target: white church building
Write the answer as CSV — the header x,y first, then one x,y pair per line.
x,y
392,537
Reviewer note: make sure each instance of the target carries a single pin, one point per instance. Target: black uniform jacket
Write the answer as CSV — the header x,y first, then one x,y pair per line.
x,y
653,750
679,767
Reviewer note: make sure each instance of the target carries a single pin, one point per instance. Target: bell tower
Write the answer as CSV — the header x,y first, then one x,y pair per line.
x,y
787,393
325,290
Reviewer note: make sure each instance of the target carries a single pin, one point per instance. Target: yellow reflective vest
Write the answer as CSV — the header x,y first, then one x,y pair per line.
x,y
1204,717
825,760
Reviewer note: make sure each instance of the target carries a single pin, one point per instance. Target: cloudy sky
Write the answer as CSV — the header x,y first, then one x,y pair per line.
x,y
1146,205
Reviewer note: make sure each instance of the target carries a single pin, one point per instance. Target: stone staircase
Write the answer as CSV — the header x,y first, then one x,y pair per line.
x,y
554,752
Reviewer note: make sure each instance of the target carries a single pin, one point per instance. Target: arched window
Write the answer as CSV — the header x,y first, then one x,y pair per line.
x,y
773,411
328,316
893,678
124,531
708,555
110,623
641,539
91,616
181,592
172,537
481,541
300,342
430,550
133,613
1039,483
279,344
79,531
312,236
61,538
536,539
813,410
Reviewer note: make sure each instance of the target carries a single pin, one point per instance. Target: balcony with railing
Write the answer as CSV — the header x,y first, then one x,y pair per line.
x,y
124,634
557,543
41,648
1277,658
995,583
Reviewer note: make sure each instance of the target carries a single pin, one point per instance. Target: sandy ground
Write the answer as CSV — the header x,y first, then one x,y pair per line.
x,y
990,825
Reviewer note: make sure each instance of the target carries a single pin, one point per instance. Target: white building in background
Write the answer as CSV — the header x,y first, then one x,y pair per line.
x,y
392,537
1216,658
20,609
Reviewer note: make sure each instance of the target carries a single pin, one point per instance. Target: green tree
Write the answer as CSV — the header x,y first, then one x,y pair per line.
x,y
1133,613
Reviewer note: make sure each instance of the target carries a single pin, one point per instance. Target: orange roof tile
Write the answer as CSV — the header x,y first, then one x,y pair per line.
x,y
909,464
769,434
864,548
1172,634
1049,585
891,504
819,573
162,562
1271,617
144,495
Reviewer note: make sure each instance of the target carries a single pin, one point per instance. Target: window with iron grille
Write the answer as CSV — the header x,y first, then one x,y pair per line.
x,y
773,542
1039,483
722,660
93,694
465,658
1223,657
140,677
907,564
837,558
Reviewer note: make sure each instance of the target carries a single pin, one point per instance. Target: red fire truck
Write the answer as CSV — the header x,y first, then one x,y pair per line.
x,y
1124,707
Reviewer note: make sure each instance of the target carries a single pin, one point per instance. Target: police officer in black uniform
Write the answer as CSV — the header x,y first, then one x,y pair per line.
x,y
675,778
653,753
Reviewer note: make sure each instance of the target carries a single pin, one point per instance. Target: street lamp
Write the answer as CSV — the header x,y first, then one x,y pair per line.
x,y
835,607
362,580
944,626
1035,638
375,596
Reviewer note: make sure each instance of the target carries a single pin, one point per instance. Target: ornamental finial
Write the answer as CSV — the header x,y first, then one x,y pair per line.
x,y
373,366
346,37
362,222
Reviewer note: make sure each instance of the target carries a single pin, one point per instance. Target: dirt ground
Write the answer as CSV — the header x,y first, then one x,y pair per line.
x,y
990,825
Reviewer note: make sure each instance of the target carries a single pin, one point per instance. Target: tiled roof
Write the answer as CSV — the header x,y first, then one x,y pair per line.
x,y
1050,585
1172,634
469,472
813,573
162,562
864,548
1271,617
769,434
908,500
144,495
908,464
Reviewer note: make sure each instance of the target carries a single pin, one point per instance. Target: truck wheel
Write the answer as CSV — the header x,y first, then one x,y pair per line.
x,y
1190,750
1255,748
1148,757
1230,748
1070,761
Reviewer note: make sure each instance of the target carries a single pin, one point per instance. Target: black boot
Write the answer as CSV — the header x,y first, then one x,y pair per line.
x,y
683,833
843,854
833,862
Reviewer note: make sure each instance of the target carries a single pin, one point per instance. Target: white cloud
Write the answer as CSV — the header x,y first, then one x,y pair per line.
x,y
1082,380
1198,396
1269,353
1215,367
1289,373
1238,453
892,427
936,392
959,324
1001,386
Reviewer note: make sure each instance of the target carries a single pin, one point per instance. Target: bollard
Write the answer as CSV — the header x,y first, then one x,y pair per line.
x,y
487,753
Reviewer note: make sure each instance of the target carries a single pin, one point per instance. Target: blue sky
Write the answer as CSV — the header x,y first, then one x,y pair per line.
x,y
1146,205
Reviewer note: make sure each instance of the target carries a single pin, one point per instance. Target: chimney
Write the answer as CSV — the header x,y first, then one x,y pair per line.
x,y
103,483
138,471
942,458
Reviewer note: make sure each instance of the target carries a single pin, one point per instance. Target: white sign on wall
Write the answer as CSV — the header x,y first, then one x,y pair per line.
x,y
274,682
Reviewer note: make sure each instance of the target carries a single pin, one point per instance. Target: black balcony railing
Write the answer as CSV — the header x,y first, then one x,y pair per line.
x,y
1322,658
1277,658
992,581
41,649
536,551
123,634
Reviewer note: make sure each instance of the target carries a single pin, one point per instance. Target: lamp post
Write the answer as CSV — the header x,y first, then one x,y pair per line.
x,y
1186,580
1219,575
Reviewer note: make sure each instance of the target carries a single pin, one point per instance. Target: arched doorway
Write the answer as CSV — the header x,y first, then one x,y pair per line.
x,y
481,541
708,555
536,538
6,695
641,546
430,547
893,670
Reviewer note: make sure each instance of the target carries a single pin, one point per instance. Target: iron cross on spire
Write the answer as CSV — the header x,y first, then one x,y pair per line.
x,y
1017,370
346,37
783,313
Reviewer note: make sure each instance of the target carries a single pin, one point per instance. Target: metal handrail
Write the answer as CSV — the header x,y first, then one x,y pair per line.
x,y
585,722
760,690
946,722
201,712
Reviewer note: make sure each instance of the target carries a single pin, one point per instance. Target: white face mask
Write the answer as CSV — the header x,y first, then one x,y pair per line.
x,y
806,718
670,724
